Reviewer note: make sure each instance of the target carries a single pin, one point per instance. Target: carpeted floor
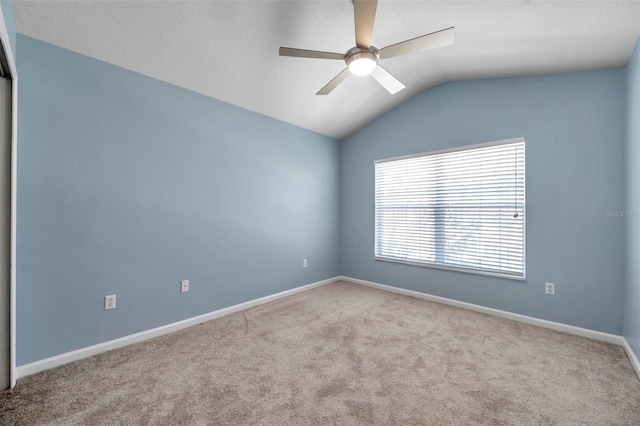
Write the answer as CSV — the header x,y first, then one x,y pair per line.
x,y
341,354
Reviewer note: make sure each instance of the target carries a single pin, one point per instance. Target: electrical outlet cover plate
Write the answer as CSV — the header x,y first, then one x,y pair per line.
x,y
550,288
304,263
110,302
184,286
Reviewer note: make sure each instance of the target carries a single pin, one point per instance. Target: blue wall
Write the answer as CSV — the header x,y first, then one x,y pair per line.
x,y
127,185
632,156
574,130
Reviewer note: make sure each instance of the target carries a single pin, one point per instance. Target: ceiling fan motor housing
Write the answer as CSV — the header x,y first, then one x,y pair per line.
x,y
361,61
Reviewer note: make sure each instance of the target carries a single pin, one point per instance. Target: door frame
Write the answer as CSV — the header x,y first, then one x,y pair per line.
x,y
4,36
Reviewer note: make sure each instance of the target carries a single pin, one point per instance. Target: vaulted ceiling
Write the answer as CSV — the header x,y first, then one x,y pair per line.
x,y
229,49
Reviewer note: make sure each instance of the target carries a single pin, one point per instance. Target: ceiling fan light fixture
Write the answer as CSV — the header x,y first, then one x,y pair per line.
x,y
361,61
362,66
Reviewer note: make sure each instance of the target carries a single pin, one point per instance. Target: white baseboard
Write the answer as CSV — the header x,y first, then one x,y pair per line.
x,y
65,358
632,357
557,326
570,329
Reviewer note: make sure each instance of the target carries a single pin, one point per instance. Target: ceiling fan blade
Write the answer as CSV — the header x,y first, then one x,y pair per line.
x,y
387,81
418,44
334,83
301,53
365,15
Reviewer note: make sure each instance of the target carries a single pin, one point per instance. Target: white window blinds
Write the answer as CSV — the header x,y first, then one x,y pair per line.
x,y
461,209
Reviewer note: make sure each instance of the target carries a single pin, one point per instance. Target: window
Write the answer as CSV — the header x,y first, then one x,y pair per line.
x,y
458,209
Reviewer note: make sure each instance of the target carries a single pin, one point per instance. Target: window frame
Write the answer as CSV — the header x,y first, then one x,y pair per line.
x,y
468,270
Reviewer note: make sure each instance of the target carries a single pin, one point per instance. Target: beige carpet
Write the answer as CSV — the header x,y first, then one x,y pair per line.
x,y
341,354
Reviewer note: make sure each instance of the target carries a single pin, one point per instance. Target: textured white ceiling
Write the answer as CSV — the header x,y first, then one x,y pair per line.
x,y
229,49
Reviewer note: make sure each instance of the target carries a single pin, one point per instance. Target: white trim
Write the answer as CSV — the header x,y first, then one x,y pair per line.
x,y
632,357
65,358
564,328
14,216
451,268
4,36
55,361
455,149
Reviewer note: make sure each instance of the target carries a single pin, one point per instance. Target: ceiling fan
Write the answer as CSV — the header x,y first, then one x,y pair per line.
x,y
363,59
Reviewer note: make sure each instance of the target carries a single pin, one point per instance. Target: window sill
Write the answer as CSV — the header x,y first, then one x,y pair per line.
x,y
450,268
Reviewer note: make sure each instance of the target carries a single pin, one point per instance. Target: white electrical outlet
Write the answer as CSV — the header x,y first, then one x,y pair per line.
x,y
110,302
184,286
304,263
550,288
